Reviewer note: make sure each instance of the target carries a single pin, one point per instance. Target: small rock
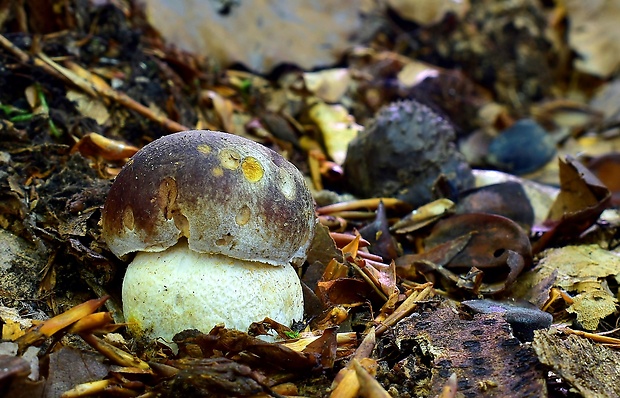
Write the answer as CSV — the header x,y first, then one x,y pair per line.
x,y
522,148
523,319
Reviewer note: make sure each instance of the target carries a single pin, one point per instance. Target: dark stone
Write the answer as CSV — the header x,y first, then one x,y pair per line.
x,y
524,318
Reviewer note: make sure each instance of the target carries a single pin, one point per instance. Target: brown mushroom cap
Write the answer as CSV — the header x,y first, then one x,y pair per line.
x,y
224,193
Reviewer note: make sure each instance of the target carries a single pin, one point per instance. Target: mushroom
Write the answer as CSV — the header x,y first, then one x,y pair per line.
x,y
216,220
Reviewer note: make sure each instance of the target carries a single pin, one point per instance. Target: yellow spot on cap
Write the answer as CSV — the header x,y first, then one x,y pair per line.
x,y
204,148
229,159
252,169
217,172
243,215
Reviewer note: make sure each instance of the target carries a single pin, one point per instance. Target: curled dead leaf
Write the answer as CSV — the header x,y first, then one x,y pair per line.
x,y
95,145
581,200
481,253
506,199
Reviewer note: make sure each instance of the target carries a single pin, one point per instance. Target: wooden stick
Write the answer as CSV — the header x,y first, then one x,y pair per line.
x,y
60,72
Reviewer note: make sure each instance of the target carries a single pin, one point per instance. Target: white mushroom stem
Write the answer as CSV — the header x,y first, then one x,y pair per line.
x,y
177,289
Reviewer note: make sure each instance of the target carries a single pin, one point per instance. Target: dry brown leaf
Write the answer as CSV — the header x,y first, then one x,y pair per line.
x,y
90,107
14,380
97,146
607,168
377,233
598,43
541,196
581,201
69,367
232,342
210,377
346,291
581,271
224,109
496,245
507,199
324,347
578,191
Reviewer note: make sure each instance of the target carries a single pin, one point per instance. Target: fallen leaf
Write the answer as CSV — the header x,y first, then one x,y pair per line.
x,y
324,347
338,128
69,367
580,271
505,199
223,108
14,381
90,107
211,377
540,196
579,204
597,43
607,169
329,85
591,305
414,72
382,243
424,215
233,342
343,291
431,260
495,244
97,146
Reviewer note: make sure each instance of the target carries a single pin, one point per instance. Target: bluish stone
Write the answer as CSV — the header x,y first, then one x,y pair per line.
x,y
522,148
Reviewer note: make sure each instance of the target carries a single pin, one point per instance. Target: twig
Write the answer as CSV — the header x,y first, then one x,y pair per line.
x,y
405,308
606,340
370,204
49,66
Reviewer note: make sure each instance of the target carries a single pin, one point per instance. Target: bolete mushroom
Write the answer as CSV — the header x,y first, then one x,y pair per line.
x,y
216,220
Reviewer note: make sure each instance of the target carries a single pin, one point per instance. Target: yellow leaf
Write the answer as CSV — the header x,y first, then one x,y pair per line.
x,y
338,128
